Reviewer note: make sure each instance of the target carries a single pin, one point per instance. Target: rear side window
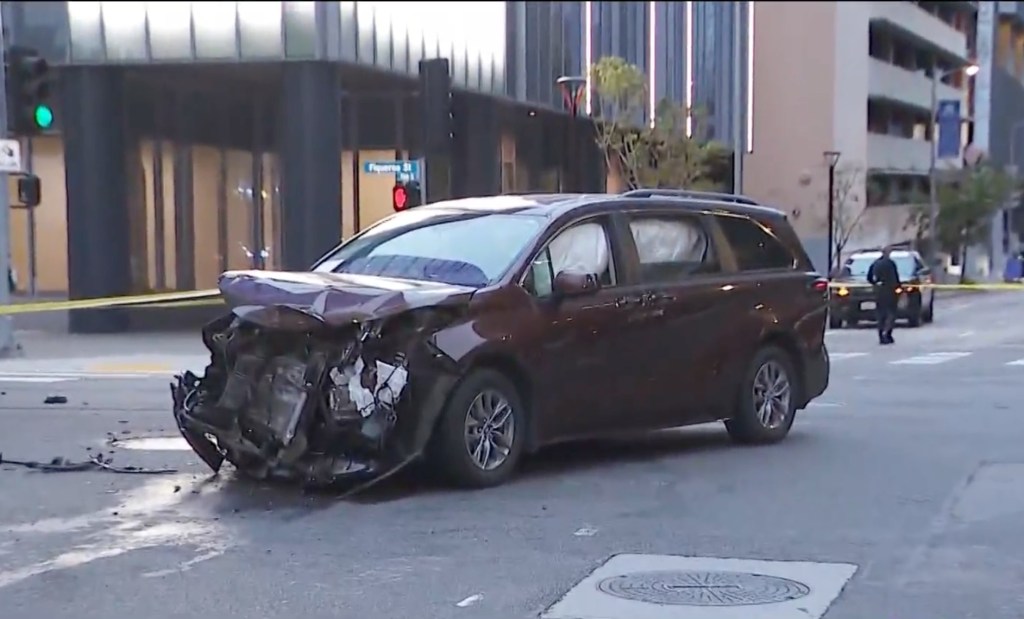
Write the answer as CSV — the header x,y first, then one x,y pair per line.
x,y
671,247
756,249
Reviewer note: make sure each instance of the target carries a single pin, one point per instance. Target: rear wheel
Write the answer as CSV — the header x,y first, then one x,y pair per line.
x,y
479,438
766,405
835,322
929,314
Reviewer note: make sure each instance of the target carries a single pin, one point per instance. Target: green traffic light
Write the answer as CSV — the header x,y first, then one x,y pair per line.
x,y
43,116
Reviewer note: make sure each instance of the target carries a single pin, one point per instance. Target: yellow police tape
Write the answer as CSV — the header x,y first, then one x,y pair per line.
x,y
977,287
160,299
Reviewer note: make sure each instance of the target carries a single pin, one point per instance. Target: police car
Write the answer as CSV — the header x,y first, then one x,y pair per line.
x,y
853,300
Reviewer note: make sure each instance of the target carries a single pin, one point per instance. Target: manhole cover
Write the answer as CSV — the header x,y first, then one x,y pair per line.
x,y
703,588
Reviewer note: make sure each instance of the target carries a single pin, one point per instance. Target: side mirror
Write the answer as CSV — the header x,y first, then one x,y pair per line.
x,y
568,284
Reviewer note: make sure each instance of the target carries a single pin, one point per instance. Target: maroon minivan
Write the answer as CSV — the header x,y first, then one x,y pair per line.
x,y
475,331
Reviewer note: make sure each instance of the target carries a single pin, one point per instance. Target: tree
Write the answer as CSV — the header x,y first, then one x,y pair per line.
x,y
967,202
651,155
848,206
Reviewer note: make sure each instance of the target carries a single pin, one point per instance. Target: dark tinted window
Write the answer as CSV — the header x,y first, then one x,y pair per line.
x,y
756,249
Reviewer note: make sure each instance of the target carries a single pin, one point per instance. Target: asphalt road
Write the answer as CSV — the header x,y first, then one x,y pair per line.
x,y
910,468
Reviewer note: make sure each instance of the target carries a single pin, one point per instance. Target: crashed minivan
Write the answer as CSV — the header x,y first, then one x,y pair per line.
x,y
471,332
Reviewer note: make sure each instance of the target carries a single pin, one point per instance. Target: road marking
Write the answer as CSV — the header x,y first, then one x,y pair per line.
x,y
585,532
473,599
1017,362
33,379
154,443
933,358
836,356
966,334
66,376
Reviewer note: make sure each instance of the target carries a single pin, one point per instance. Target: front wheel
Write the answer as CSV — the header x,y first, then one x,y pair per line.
x,y
479,438
766,405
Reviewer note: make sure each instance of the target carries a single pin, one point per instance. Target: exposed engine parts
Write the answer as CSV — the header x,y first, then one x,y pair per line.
x,y
285,404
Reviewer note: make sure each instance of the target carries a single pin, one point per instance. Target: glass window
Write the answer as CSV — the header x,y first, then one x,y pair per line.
x,y
461,249
670,248
857,266
756,248
581,248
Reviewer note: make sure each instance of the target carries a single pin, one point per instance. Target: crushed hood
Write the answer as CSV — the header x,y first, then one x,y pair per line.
x,y
281,299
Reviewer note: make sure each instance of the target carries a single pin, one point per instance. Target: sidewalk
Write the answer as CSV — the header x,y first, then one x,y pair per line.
x,y
157,354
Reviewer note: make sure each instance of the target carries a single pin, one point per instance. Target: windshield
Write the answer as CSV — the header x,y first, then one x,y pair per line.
x,y
857,267
465,250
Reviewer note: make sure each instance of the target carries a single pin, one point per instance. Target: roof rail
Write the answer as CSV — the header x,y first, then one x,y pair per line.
x,y
687,193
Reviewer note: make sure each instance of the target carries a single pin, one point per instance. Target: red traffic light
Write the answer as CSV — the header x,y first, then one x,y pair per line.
x,y
399,197
406,195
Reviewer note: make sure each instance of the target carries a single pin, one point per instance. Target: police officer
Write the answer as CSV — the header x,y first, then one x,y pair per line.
x,y
882,274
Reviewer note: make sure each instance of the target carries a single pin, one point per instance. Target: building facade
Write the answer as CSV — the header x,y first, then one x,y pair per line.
x,y
195,137
999,122
859,83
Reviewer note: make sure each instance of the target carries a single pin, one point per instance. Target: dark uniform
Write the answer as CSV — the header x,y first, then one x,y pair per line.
x,y
886,279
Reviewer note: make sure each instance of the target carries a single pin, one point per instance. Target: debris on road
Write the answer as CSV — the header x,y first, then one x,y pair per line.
x,y
95,462
55,399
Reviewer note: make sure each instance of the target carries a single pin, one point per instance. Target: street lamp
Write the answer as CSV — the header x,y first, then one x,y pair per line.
x,y
831,159
933,199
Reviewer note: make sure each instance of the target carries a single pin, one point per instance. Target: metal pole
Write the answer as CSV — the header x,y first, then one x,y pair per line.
x,y
27,155
737,99
933,190
7,345
573,163
831,215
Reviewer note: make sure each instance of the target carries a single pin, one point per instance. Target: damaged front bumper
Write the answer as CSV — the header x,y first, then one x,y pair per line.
x,y
316,410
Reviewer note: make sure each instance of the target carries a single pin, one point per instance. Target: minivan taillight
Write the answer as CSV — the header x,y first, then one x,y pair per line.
x,y
820,285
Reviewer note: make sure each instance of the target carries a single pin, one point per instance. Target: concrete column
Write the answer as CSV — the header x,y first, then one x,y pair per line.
x,y
96,153
310,155
476,164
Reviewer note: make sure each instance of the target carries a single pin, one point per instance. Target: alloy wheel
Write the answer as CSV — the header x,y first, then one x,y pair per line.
x,y
772,393
490,430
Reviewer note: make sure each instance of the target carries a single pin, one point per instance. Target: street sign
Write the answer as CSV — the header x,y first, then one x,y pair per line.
x,y
10,156
403,170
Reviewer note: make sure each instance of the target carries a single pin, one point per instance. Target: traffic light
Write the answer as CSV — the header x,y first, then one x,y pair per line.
x,y
28,92
30,191
405,195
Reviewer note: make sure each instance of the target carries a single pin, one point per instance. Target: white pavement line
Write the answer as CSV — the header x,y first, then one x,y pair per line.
x,y
966,334
33,379
585,532
13,376
933,358
154,443
837,356
1017,362
473,599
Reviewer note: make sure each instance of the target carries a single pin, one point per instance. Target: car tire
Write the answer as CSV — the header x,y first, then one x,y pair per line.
x,y
452,453
929,314
746,425
915,318
835,323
